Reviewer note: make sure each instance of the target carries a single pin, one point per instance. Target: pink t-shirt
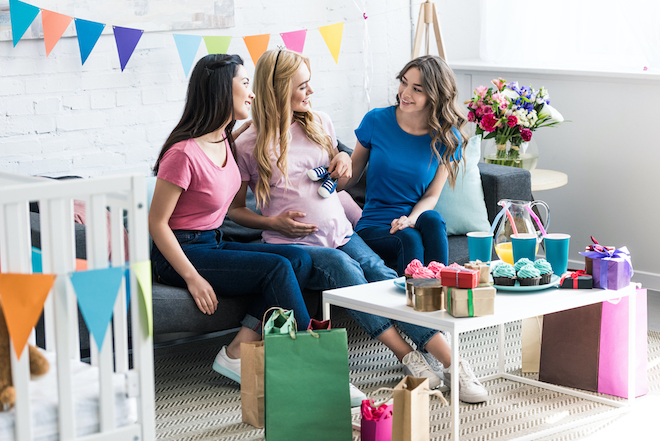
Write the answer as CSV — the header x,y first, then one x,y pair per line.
x,y
207,189
301,193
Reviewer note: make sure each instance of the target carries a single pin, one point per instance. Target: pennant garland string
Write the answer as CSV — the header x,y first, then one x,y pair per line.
x,y
54,24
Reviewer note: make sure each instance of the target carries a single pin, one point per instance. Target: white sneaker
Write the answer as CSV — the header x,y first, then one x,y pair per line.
x,y
470,390
357,396
415,365
229,367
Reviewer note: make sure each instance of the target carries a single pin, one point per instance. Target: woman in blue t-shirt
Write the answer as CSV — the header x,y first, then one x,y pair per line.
x,y
412,149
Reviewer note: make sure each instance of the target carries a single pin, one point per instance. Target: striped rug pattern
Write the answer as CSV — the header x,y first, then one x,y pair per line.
x,y
194,403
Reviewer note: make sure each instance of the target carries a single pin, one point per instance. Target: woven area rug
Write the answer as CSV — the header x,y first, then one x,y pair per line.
x,y
195,403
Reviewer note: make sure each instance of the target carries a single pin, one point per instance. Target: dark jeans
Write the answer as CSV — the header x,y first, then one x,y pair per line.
x,y
273,272
426,242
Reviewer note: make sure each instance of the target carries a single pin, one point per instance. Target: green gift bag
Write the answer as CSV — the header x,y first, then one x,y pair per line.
x,y
306,386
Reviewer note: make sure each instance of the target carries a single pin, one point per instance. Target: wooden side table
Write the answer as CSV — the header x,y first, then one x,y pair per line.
x,y
547,179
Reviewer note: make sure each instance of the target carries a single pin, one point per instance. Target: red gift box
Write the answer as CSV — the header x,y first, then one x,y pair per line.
x,y
459,277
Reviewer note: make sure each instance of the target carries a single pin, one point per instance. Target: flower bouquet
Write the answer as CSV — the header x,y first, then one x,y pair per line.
x,y
510,113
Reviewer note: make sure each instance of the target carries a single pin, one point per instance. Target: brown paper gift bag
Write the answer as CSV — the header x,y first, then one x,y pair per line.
x,y
531,343
252,383
411,420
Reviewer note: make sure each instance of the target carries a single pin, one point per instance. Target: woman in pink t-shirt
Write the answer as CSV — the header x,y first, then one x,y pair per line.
x,y
285,141
197,180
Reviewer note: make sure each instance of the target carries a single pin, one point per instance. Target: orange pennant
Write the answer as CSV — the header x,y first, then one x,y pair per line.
x,y
23,297
54,26
257,45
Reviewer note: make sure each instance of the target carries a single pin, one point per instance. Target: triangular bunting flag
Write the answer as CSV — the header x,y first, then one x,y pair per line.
x,y
187,45
97,291
217,45
22,297
143,274
37,264
54,26
257,45
295,41
126,39
88,34
22,16
332,36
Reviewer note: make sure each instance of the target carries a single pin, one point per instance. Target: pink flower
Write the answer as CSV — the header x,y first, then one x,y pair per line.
x,y
471,117
481,91
501,100
414,266
499,83
526,134
487,110
479,112
488,123
512,120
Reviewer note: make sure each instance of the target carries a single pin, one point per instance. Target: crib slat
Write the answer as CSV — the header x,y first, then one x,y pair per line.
x,y
97,247
62,298
120,318
143,360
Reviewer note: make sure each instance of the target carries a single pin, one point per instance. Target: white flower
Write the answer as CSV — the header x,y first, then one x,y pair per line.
x,y
548,111
511,94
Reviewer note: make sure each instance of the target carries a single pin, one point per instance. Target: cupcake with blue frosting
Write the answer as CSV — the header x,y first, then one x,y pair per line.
x,y
504,274
545,269
522,262
528,275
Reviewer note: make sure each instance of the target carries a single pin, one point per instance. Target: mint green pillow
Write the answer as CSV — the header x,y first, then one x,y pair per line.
x,y
464,209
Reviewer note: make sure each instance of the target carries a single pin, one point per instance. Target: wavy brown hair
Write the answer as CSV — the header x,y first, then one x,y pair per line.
x,y
442,94
272,116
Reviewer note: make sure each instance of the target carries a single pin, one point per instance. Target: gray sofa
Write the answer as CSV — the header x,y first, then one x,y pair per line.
x,y
175,311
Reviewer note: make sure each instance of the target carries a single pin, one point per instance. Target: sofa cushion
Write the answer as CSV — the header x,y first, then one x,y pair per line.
x,y
464,209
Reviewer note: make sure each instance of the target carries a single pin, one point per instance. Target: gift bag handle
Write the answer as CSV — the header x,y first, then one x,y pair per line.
x,y
263,322
437,393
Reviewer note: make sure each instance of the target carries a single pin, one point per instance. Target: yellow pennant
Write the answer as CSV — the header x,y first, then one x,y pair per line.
x,y
332,35
143,274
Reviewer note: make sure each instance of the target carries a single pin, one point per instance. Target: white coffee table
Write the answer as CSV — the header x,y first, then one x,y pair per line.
x,y
387,300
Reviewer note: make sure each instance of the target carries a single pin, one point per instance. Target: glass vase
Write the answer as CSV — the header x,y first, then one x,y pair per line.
x,y
525,155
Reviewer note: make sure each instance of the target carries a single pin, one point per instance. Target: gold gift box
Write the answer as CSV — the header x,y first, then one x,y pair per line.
x,y
424,294
483,268
475,302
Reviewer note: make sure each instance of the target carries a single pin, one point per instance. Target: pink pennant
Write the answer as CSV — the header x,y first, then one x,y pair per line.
x,y
54,25
295,40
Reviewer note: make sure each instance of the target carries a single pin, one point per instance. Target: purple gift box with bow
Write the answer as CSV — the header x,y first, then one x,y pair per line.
x,y
612,269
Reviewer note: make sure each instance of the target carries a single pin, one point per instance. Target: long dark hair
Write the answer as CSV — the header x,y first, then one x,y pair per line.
x,y
209,103
446,114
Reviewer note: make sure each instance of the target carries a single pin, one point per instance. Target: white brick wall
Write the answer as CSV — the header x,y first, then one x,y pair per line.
x,y
60,118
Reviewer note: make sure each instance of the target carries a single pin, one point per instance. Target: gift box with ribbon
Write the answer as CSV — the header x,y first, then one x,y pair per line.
x,y
482,267
611,269
471,302
576,280
588,261
459,277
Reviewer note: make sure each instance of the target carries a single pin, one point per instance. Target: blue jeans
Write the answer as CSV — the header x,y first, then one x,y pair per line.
x,y
426,242
354,263
273,273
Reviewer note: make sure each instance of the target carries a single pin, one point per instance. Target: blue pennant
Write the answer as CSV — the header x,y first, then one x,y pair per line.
x,y
88,34
97,291
187,45
22,16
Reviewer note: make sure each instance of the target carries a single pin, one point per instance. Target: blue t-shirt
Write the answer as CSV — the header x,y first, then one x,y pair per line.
x,y
401,167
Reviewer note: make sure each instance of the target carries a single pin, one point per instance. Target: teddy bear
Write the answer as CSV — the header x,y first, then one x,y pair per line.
x,y
38,366
328,186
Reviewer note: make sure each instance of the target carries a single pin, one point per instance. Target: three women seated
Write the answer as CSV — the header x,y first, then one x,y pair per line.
x,y
204,170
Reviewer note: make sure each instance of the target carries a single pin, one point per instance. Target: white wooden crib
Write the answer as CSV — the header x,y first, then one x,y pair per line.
x,y
120,380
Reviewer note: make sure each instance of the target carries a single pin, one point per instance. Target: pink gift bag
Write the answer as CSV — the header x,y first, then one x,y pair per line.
x,y
376,424
613,356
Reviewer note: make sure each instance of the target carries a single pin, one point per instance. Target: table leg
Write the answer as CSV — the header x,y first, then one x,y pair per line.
x,y
326,310
454,386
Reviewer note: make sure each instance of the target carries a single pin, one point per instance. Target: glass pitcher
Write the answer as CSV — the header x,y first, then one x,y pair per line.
x,y
525,220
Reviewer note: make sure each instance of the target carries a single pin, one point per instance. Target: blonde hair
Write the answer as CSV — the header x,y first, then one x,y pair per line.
x,y
440,87
272,115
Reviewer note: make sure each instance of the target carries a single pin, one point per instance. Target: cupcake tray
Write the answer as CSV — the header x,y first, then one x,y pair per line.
x,y
554,282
